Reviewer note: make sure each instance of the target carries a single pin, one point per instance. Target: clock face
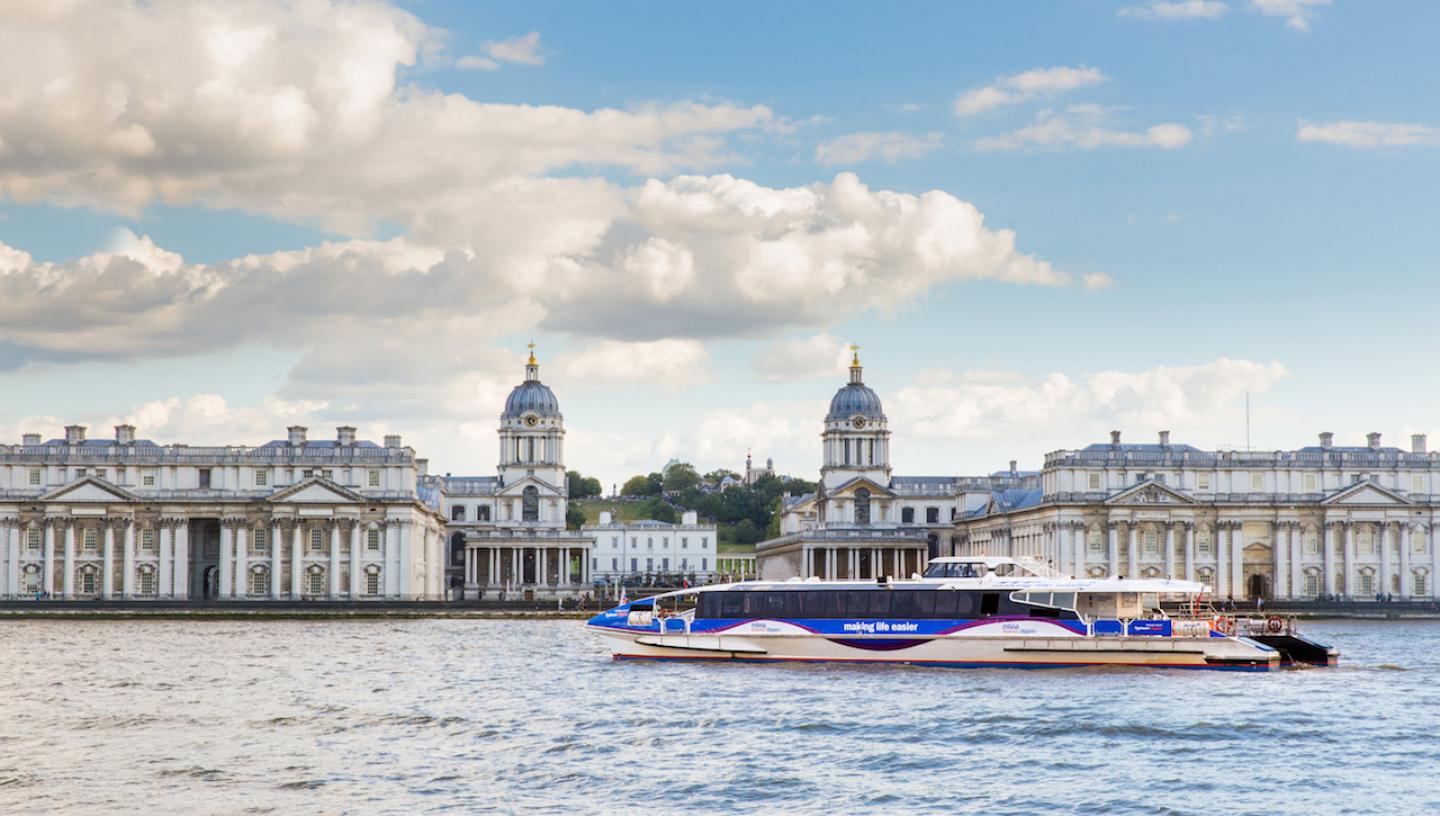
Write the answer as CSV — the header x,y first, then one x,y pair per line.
x,y
858,422
531,420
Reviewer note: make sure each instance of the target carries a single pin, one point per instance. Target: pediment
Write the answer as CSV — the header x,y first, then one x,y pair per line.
x,y
90,489
518,486
1367,493
1151,492
316,490
848,489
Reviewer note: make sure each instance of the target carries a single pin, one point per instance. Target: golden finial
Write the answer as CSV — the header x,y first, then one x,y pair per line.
x,y
855,355
531,346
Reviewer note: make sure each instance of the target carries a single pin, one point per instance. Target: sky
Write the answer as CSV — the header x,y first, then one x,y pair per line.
x,y
1039,221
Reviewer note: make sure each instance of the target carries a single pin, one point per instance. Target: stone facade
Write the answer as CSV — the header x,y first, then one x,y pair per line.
x,y
632,551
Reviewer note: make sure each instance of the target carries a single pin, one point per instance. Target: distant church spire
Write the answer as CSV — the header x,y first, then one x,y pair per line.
x,y
855,371
532,368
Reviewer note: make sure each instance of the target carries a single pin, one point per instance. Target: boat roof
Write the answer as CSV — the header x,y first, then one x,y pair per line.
x,y
1102,586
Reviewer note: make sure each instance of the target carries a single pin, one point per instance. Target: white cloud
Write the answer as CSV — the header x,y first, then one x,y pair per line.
x,y
669,364
892,147
1084,127
1367,134
1095,281
1165,397
1025,86
802,358
518,50
1177,10
1297,13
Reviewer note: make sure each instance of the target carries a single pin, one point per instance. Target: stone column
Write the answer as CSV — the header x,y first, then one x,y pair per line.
x,y
517,565
242,559
277,559
181,578
1082,549
165,534
296,564
470,566
1387,564
1406,582
405,562
12,554
1434,534
1279,558
107,571
1222,559
335,560
1297,560
1170,550
542,567
67,578
1237,559
127,538
1189,550
357,573
1132,560
1114,529
1329,557
1349,559
227,559
47,567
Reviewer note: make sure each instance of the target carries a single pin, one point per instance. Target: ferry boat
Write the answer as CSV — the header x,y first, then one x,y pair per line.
x,y
962,613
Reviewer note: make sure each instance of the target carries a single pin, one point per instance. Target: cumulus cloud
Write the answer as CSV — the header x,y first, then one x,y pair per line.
x,y
1177,10
1025,86
1084,127
1159,398
891,147
1097,280
802,358
669,364
519,50
1297,13
1367,134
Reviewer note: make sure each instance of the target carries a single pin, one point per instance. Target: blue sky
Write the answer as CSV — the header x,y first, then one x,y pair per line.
x,y
690,209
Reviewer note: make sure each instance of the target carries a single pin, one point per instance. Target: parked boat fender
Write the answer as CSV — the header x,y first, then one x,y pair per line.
x,y
1275,625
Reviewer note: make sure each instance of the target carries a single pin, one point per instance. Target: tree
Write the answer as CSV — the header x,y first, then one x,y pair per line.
x,y
658,509
574,518
642,486
581,487
680,476
747,532
715,477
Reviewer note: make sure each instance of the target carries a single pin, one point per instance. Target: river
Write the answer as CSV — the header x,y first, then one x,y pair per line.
x,y
430,716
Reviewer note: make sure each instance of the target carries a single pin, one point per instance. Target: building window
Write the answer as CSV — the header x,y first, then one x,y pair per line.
x,y
100,473
1202,542
147,540
204,477
684,543
1418,588
372,580
614,565
147,478
307,473
260,582
932,515
1367,584
703,563
1096,541
1310,483
665,564
262,478
315,580
1257,481
649,543
1417,483
89,580
1152,542
259,541
32,539
1202,481
317,541
372,540
530,503
1094,481
328,475
862,506
482,512
373,478
1312,584
147,580
633,563
457,513
1417,541
89,537
30,579
34,476
1311,541
1365,542
907,515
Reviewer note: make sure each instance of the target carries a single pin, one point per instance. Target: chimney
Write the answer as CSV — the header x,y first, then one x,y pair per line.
x,y
297,435
1013,469
690,517
74,434
1164,439
392,440
1114,437
124,434
345,435
422,466
604,517
1327,439
1373,440
30,440
1417,443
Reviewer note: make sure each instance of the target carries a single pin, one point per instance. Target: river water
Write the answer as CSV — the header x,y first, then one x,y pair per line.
x,y
428,716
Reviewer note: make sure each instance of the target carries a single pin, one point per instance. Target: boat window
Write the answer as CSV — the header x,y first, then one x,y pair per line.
x,y
1063,600
734,605
936,570
902,603
989,604
946,604
925,604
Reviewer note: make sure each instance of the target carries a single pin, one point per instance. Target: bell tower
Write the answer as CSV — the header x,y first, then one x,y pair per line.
x,y
856,437
532,431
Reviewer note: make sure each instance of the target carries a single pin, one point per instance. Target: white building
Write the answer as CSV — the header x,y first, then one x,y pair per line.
x,y
636,550
1351,522
294,518
507,532
862,522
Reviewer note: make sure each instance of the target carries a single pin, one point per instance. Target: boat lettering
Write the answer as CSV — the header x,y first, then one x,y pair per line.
x,y
871,627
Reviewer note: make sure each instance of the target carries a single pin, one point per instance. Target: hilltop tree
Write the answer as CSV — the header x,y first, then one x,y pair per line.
x,y
582,487
680,476
642,485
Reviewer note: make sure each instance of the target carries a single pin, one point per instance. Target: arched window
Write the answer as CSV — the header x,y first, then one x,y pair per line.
x,y
482,513
1312,583
457,513
315,580
372,580
30,579
89,579
146,579
457,549
259,581
862,506
1419,588
530,504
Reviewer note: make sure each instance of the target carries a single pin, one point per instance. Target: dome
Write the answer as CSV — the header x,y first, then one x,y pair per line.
x,y
855,398
531,396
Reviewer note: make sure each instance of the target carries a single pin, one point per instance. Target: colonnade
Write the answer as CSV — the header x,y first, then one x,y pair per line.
x,y
504,566
836,562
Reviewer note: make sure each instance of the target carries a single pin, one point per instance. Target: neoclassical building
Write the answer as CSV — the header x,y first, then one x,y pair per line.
x,y
634,550
863,522
294,518
1349,522
506,532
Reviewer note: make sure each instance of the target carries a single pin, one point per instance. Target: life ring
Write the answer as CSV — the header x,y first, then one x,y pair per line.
x,y
1223,625
1275,625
